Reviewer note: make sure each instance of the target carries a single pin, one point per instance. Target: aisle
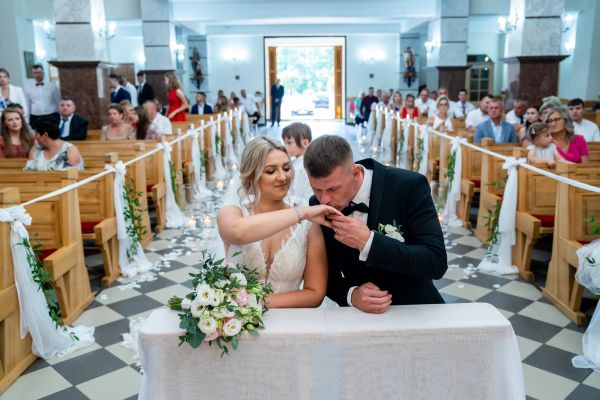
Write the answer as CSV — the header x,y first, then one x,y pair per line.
x,y
547,340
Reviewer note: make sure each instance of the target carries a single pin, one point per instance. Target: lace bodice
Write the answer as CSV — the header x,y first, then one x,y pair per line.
x,y
287,270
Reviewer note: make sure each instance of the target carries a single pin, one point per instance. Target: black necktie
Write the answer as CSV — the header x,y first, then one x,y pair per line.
x,y
39,84
360,207
521,118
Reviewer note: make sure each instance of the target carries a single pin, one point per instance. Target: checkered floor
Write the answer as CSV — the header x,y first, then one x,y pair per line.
x,y
107,370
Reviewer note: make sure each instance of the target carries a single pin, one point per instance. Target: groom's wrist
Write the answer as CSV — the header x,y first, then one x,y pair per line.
x,y
349,295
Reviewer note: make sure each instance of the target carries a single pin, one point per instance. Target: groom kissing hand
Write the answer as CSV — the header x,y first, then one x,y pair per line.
x,y
368,269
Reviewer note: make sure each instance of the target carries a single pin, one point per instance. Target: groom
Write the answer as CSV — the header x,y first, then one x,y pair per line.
x,y
370,270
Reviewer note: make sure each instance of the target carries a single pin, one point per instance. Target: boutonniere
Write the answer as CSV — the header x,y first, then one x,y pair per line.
x,y
392,230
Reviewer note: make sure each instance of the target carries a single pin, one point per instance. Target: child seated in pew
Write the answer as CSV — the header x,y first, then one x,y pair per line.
x,y
51,153
297,137
542,150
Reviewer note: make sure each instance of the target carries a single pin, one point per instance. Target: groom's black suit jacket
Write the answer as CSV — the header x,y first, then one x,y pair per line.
x,y
404,269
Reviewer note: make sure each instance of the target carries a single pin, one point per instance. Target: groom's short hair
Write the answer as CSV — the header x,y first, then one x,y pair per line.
x,y
325,154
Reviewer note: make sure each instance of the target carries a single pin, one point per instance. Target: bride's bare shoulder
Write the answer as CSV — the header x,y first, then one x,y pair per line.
x,y
230,212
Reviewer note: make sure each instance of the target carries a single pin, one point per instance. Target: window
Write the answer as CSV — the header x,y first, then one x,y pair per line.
x,y
479,76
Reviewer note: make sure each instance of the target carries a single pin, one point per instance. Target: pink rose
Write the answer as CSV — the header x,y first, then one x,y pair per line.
x,y
229,265
241,297
212,336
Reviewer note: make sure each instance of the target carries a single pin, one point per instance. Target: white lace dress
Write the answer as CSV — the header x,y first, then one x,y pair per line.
x,y
287,270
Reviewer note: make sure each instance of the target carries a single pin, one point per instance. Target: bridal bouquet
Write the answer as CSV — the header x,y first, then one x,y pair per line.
x,y
226,302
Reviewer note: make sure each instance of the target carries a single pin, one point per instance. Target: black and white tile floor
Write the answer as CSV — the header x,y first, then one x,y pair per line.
x,y
107,370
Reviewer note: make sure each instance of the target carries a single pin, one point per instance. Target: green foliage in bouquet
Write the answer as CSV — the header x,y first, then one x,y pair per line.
x,y
132,211
173,181
226,302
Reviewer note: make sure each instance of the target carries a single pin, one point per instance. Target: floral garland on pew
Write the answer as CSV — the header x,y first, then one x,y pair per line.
x,y
173,181
419,158
493,220
44,280
449,175
399,147
133,213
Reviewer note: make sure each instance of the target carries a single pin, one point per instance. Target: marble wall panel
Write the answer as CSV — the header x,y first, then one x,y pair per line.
x,y
159,58
158,33
155,10
453,54
454,29
541,36
76,42
544,8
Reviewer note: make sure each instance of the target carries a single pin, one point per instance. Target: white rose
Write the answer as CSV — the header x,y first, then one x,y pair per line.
x,y
222,312
207,325
205,294
397,236
217,298
232,327
241,279
389,229
196,308
186,303
221,283
252,301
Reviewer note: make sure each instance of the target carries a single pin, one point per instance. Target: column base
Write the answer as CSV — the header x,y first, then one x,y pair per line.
x,y
533,77
156,78
454,78
88,83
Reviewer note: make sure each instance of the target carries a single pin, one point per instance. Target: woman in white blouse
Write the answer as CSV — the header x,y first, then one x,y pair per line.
x,y
10,94
441,120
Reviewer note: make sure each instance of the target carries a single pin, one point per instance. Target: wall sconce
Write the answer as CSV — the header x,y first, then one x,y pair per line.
x,y
40,54
507,24
372,56
49,30
567,21
570,45
104,31
179,51
430,45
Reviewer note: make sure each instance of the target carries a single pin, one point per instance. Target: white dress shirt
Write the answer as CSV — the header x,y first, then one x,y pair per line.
x,y
301,190
459,110
65,125
17,95
497,129
422,106
363,196
511,118
588,129
133,93
161,125
249,103
43,98
475,117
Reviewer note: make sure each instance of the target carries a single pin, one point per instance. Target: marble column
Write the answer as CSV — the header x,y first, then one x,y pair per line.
x,y
159,42
533,51
81,53
447,61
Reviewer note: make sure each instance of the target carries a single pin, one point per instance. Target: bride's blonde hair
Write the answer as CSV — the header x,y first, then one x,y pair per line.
x,y
251,167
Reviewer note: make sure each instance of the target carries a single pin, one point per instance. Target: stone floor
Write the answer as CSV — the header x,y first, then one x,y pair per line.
x,y
107,370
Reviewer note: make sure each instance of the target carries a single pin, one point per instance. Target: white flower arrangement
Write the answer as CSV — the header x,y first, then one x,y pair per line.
x,y
392,230
225,303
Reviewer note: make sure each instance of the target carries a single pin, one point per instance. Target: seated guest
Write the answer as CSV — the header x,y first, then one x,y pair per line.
x,y
222,104
251,106
441,120
531,116
159,124
142,124
397,101
118,93
462,106
117,128
479,115
144,89
10,94
236,102
494,127
201,107
71,125
453,111
570,146
15,139
517,116
547,104
128,109
51,153
409,110
367,103
358,117
232,96
385,101
542,149
582,126
425,104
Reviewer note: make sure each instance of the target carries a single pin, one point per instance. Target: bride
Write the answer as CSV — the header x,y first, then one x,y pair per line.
x,y
284,244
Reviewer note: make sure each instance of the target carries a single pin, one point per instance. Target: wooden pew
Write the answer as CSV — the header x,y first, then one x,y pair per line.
x,y
467,187
15,353
491,171
93,134
147,175
56,227
573,207
594,148
96,207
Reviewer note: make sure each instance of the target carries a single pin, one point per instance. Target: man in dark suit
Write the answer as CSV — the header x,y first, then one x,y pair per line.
x,y
201,107
494,127
118,93
71,126
277,92
145,90
371,269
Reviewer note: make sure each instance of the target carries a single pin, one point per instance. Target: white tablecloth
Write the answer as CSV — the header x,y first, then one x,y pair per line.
x,y
442,351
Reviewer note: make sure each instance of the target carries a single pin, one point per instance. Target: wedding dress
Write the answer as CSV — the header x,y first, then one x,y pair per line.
x,y
286,272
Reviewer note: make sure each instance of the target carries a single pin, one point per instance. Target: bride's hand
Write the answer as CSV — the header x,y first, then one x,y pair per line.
x,y
318,214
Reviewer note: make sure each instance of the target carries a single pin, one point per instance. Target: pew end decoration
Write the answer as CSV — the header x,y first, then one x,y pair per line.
x,y
226,302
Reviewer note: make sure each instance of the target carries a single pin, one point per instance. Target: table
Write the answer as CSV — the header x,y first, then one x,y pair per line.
x,y
438,351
